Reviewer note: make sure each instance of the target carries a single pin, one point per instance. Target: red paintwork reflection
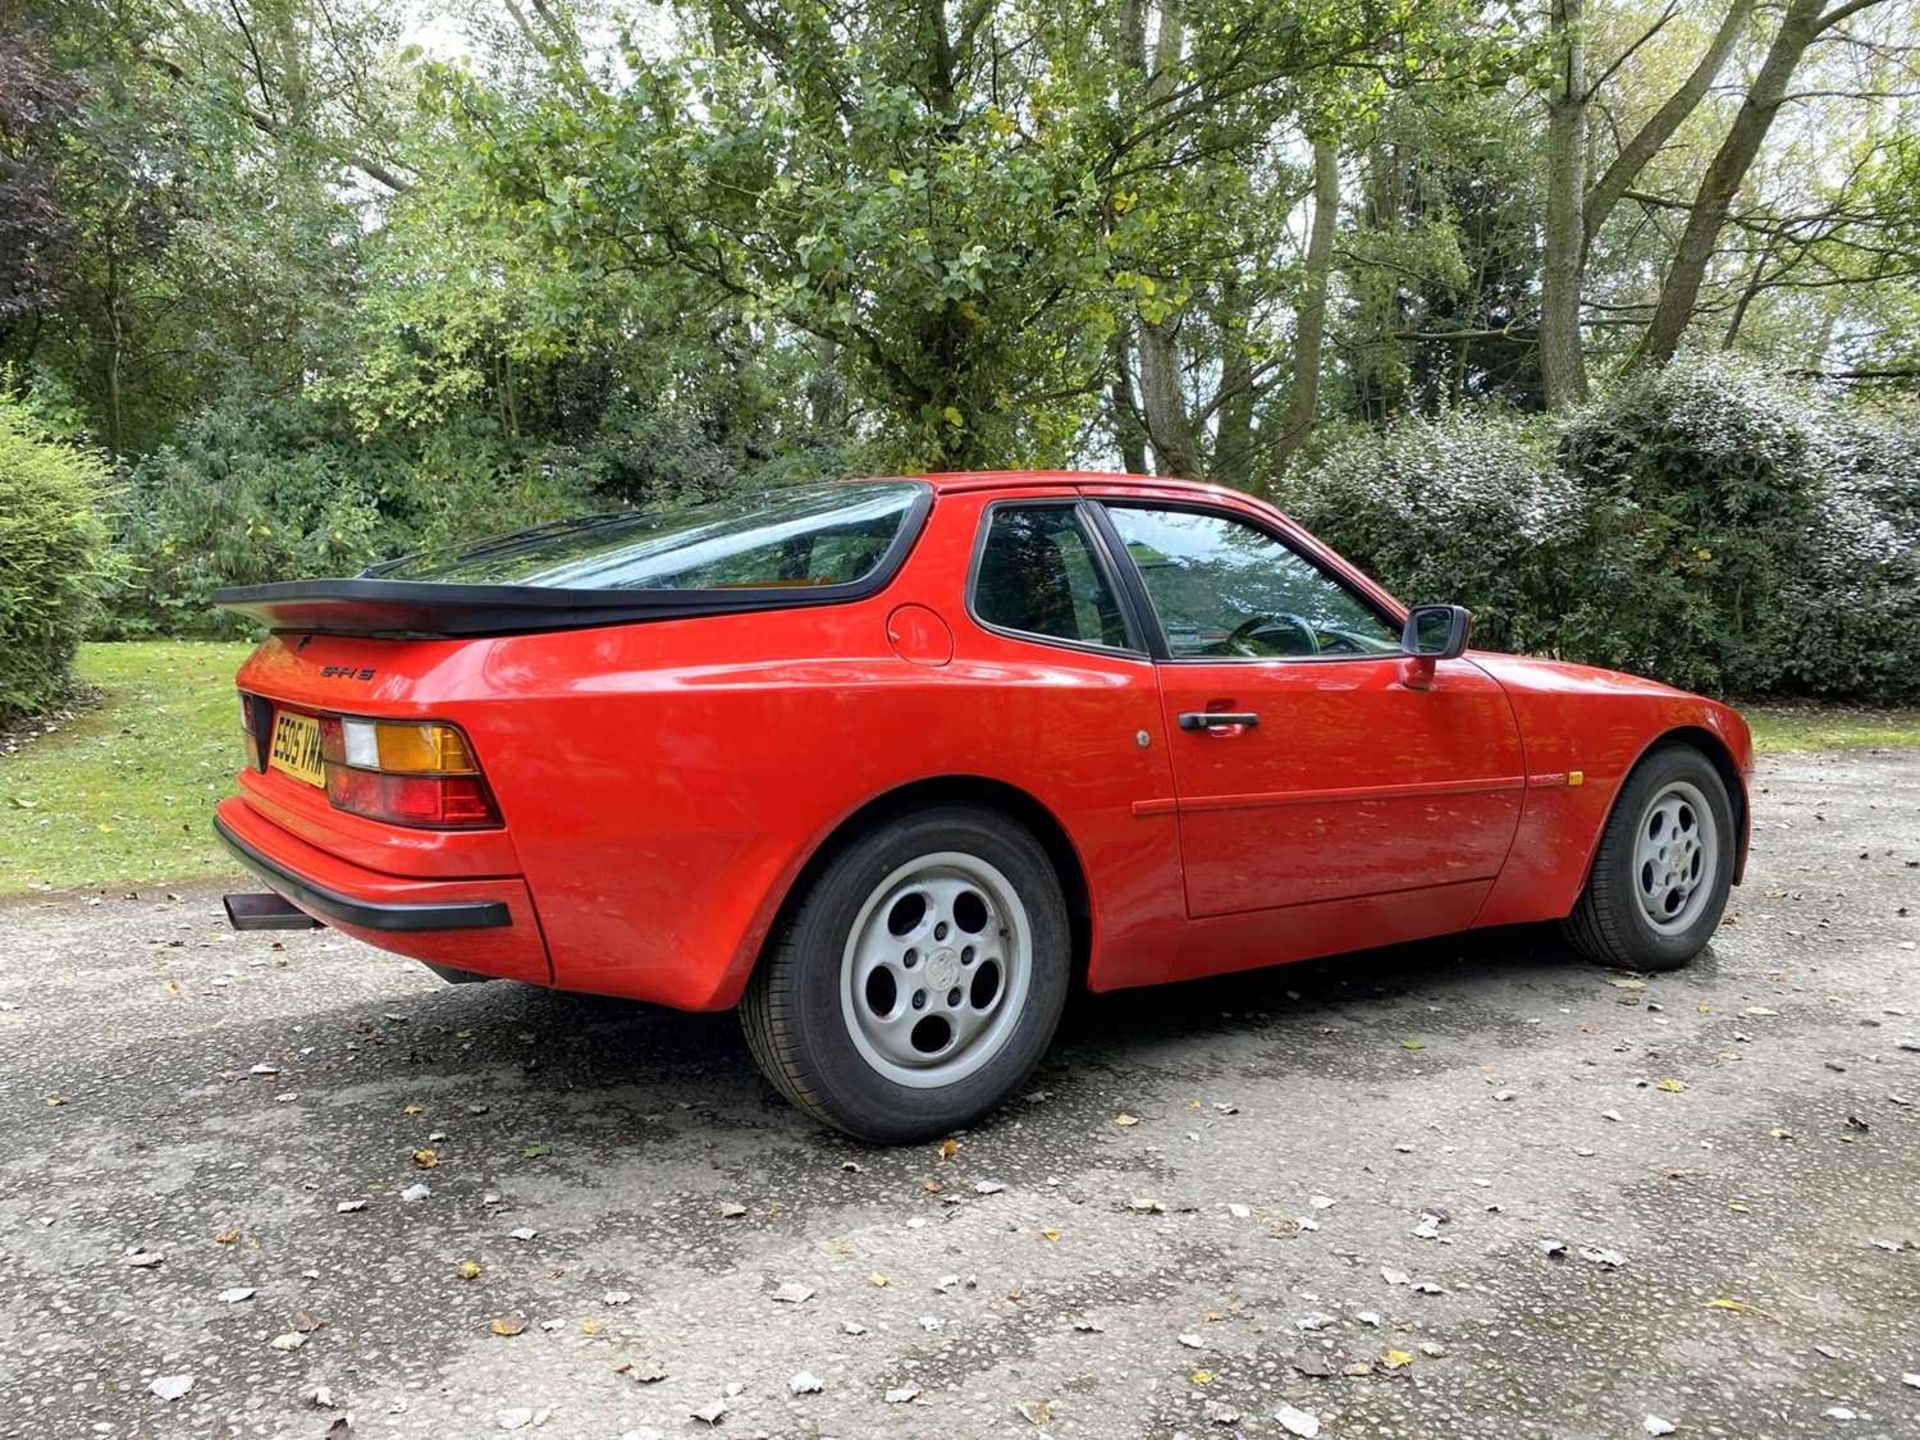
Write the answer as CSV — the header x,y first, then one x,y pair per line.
x,y
663,784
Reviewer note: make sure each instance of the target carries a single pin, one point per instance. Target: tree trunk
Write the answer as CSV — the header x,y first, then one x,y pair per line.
x,y
1169,426
1724,176
1563,364
1310,322
1652,137
1163,401
1127,428
1233,438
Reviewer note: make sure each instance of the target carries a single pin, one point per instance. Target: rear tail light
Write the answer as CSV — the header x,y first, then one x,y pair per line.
x,y
419,773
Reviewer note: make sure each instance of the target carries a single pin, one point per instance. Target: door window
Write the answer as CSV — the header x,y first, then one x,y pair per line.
x,y
1225,589
1038,575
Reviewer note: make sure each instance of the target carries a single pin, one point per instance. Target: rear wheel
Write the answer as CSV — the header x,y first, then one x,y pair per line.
x,y
1664,866
918,980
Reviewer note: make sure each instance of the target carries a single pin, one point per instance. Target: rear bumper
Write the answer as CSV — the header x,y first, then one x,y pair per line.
x,y
332,905
482,924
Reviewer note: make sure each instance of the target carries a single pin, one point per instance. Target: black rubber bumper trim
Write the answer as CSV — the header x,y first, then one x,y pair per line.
x,y
367,914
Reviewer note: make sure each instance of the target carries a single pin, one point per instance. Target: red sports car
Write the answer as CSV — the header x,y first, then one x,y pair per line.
x,y
888,765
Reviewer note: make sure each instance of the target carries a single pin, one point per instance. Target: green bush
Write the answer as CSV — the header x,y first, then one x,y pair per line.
x,y
256,491
55,560
1705,524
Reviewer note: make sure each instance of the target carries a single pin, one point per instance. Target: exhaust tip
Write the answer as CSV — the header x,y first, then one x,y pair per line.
x,y
266,912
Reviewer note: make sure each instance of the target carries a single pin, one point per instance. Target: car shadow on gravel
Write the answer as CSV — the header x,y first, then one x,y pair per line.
x,y
1455,985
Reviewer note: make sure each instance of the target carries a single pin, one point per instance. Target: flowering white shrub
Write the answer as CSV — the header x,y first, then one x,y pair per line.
x,y
1716,526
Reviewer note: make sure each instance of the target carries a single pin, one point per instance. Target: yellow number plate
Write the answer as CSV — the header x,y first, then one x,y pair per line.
x,y
296,747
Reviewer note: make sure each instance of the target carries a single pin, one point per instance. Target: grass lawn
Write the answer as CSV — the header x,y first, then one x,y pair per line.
x,y
120,795
1825,727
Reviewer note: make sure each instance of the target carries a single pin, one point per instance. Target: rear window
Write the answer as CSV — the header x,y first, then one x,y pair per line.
x,y
804,538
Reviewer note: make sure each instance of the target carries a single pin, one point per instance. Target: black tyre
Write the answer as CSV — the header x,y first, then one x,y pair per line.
x,y
918,980
1665,863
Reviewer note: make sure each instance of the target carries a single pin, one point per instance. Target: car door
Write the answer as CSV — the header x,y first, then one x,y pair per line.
x,y
1312,760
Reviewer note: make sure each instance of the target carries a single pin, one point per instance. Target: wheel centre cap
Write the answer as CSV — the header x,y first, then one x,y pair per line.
x,y
943,968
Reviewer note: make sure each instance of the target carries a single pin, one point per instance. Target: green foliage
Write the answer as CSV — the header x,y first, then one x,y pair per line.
x,y
250,492
1708,525
261,490
54,560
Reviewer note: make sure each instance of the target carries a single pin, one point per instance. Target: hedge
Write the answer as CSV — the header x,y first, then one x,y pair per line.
x,y
55,561
1711,525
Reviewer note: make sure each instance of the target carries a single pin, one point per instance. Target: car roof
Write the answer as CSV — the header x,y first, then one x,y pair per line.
x,y
961,480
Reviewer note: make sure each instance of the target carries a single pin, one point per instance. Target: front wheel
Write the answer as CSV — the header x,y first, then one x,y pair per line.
x,y
919,978
1663,868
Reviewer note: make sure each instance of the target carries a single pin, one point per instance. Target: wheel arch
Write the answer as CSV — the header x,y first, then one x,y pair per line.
x,y
981,792
1715,748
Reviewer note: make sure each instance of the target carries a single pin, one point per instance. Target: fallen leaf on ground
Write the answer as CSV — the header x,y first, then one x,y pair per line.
x,y
292,1340
1123,1119
1670,1085
425,1159
1726,1302
1036,1412
1396,1359
1404,1045
508,1325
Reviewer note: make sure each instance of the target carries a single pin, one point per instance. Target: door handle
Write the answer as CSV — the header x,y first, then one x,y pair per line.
x,y
1217,719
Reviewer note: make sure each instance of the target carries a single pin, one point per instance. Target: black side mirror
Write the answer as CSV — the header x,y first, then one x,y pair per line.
x,y
1437,632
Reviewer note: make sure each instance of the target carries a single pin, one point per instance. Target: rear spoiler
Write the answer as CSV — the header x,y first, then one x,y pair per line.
x,y
422,609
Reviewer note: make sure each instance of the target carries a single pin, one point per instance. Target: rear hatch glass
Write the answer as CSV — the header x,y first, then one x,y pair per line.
x,y
806,537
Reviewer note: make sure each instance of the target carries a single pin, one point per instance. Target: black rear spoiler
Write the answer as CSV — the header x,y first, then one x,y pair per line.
x,y
421,609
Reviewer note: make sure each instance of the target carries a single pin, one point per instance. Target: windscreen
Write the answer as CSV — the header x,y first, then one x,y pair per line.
x,y
808,536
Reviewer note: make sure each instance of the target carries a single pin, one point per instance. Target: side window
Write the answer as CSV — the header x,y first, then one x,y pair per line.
x,y
1038,575
1225,590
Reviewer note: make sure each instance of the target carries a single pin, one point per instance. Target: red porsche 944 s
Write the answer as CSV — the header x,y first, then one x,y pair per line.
x,y
888,764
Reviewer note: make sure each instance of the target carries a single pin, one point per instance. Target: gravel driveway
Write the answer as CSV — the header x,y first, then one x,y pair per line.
x,y
1320,1195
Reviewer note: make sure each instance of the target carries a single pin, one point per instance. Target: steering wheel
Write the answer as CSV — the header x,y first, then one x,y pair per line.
x,y
1255,626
